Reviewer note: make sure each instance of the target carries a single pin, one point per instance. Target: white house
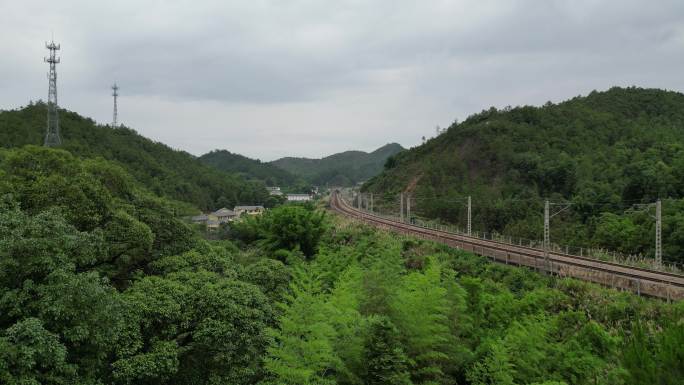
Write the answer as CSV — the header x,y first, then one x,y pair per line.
x,y
299,197
275,190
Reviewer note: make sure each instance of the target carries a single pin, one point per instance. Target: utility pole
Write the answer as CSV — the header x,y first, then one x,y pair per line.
x,y
547,225
658,235
469,215
115,94
408,207
401,206
547,241
371,202
52,138
658,229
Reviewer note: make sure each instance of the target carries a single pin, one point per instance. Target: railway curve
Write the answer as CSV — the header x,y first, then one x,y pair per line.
x,y
641,281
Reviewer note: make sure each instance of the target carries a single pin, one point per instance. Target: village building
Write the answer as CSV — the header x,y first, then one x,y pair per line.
x,y
224,215
214,220
211,221
274,191
299,197
213,224
200,219
250,210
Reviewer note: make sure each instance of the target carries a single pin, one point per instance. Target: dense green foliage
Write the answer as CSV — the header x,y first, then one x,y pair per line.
x,y
603,153
164,171
343,169
374,309
101,283
255,169
290,228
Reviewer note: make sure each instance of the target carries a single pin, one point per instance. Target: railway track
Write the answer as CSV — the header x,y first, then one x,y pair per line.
x,y
641,281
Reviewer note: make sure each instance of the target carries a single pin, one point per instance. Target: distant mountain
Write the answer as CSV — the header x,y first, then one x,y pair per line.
x,y
344,168
249,168
163,170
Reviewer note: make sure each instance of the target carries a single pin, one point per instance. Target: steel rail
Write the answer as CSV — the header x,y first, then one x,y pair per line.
x,y
642,281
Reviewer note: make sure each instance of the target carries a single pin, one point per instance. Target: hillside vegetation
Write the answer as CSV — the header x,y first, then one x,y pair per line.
x,y
603,153
342,169
248,168
163,170
100,283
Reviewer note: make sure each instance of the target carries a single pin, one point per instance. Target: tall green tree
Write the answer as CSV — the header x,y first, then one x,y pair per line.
x,y
420,310
384,357
302,352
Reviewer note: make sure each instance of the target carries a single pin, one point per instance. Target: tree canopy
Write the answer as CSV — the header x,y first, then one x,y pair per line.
x,y
161,169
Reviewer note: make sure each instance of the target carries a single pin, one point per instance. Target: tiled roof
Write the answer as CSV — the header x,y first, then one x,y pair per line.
x,y
224,212
238,208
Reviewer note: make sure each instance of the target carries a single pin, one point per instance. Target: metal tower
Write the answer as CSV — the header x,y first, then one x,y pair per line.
x,y
52,138
115,94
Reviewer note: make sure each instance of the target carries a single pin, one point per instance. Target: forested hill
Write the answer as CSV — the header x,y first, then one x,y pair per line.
x,y
163,170
271,175
345,168
602,152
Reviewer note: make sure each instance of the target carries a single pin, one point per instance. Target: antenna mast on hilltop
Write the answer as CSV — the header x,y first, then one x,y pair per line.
x,y
115,94
52,138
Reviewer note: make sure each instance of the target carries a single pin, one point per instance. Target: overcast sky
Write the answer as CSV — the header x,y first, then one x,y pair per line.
x,y
310,78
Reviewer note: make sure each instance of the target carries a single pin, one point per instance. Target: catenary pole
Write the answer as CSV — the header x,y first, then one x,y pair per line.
x,y
401,206
547,242
408,207
658,235
469,216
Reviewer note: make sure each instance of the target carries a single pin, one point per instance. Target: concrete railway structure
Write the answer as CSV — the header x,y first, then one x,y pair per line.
x,y
653,283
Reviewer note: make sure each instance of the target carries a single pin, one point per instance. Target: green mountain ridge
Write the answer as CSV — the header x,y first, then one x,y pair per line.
x,y
345,168
163,170
249,168
602,153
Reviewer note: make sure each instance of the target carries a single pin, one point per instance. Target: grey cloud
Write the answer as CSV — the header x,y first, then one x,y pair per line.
x,y
272,78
